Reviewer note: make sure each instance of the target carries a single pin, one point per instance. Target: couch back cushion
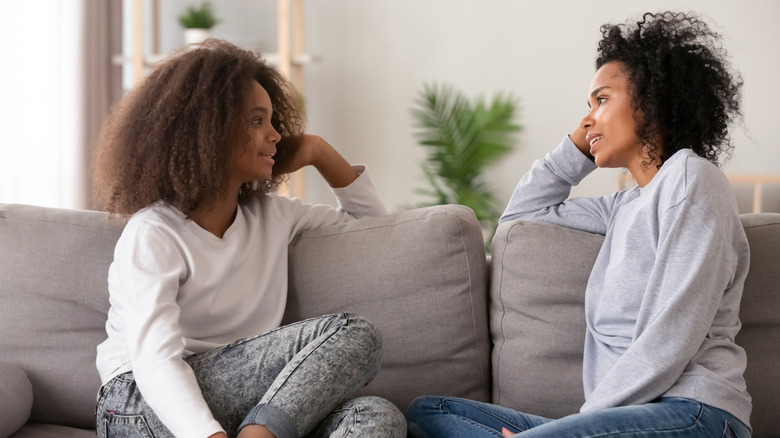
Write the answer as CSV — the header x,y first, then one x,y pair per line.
x,y
420,277
537,321
53,304
760,316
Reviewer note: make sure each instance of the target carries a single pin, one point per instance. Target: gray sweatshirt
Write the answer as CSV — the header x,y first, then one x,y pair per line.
x,y
662,301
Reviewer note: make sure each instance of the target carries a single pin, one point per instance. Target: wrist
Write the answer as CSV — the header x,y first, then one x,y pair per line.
x,y
319,151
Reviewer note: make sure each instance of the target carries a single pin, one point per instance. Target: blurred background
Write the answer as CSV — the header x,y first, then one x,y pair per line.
x,y
362,65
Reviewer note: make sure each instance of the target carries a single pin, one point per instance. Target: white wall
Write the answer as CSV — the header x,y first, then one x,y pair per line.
x,y
41,103
376,54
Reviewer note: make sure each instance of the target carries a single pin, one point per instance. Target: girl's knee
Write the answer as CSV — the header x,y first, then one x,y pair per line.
x,y
365,333
387,419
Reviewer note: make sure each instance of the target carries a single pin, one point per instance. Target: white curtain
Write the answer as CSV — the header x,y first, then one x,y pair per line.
x,y
56,84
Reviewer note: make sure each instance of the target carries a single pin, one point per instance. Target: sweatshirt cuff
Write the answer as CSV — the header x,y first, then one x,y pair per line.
x,y
570,162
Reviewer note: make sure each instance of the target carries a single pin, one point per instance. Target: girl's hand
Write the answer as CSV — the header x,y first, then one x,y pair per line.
x,y
505,432
303,155
313,150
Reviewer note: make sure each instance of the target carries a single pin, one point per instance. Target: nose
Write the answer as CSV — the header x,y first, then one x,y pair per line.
x,y
275,136
587,121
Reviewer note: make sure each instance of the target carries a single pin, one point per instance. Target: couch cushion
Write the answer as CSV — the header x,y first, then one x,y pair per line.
x,y
53,304
537,317
40,430
16,397
420,277
760,315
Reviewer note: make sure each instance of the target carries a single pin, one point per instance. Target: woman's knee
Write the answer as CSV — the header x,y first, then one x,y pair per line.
x,y
424,405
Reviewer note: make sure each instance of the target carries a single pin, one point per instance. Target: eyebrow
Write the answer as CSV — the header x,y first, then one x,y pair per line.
x,y
597,91
260,109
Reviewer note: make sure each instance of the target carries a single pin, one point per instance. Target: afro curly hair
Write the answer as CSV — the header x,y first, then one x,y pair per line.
x,y
173,137
684,92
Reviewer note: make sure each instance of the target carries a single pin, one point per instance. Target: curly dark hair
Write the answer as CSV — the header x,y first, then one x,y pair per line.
x,y
684,91
172,138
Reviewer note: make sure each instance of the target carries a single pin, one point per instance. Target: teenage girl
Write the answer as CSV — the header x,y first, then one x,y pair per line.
x,y
199,278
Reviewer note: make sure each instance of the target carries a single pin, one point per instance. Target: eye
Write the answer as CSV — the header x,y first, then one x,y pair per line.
x,y
257,121
601,100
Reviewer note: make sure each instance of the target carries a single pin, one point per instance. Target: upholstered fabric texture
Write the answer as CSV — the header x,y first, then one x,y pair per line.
x,y
421,265
760,316
41,430
16,398
539,273
419,275
53,305
537,320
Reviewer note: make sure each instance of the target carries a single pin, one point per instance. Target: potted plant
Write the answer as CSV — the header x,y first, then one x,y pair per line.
x,y
197,22
463,138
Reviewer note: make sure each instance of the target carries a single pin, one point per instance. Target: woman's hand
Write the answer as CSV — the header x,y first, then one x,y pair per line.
x,y
314,151
578,137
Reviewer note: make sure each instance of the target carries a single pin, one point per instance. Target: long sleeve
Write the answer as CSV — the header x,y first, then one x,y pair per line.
x,y
357,200
147,271
542,193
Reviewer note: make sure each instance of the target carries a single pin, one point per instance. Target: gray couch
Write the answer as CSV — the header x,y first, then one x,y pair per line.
x,y
509,331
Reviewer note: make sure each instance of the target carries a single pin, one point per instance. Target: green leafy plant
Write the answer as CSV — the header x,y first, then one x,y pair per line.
x,y
201,17
463,138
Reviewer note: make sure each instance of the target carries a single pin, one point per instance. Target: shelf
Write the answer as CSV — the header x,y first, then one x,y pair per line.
x,y
272,58
758,182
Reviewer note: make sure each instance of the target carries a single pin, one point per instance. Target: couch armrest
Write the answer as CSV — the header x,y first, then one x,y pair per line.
x,y
16,398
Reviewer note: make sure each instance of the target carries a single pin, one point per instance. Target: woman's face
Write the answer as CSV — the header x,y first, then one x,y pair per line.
x,y
254,159
610,124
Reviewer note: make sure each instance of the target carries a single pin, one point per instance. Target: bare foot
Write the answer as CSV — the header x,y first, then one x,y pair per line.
x,y
255,431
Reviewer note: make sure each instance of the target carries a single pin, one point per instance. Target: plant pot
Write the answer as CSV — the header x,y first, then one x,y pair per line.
x,y
192,36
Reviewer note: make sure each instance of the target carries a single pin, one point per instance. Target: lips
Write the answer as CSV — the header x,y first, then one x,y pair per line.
x,y
269,156
592,139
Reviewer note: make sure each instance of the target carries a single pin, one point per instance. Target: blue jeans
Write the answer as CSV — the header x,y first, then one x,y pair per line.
x,y
432,416
297,380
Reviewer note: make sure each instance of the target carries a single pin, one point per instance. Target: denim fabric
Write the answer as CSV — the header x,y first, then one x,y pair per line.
x,y
433,416
363,417
293,379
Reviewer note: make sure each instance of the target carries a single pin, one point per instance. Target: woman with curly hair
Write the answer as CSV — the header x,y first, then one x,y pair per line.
x,y
662,301
198,283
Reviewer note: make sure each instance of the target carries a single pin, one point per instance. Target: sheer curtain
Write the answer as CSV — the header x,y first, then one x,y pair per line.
x,y
56,85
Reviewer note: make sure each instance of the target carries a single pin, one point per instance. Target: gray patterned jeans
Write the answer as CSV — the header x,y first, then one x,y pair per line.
x,y
297,380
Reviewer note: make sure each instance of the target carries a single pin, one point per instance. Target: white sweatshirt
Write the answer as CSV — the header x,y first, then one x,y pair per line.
x,y
176,289
662,301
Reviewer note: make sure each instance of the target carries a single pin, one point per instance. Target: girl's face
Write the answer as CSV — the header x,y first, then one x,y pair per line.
x,y
254,159
610,124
